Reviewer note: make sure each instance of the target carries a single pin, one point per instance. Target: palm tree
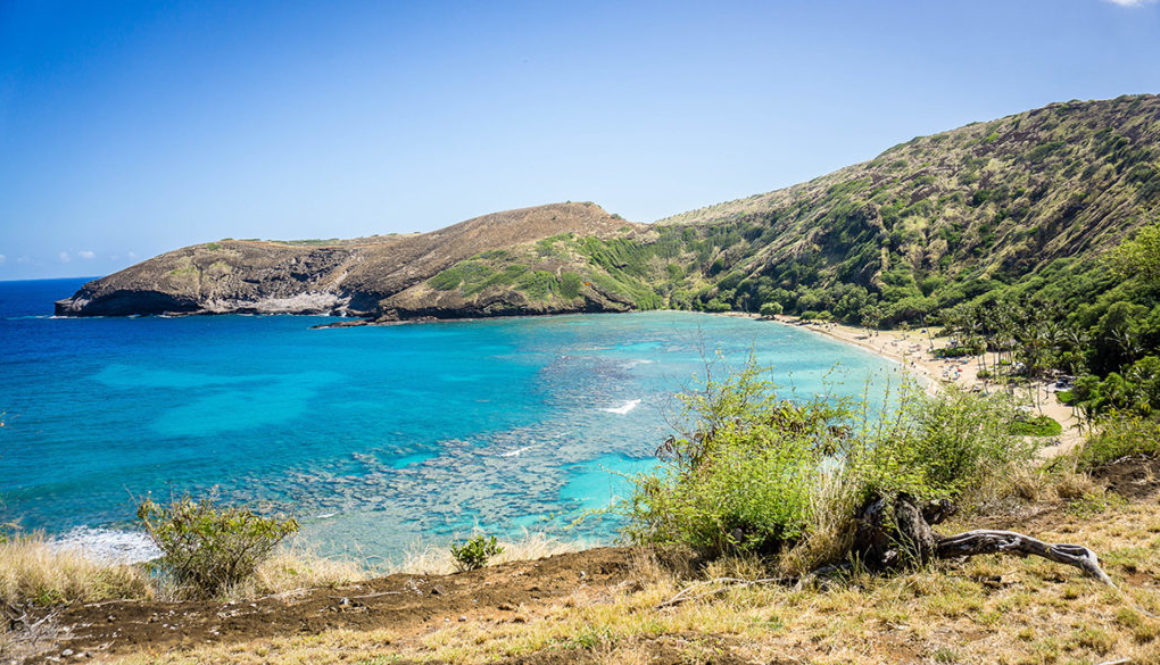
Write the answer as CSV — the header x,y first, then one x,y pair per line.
x,y
1128,342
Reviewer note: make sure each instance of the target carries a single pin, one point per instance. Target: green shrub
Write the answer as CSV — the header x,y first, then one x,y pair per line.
x,y
743,477
207,548
940,446
958,351
1037,426
475,553
446,280
1120,435
538,285
716,305
771,309
570,283
756,473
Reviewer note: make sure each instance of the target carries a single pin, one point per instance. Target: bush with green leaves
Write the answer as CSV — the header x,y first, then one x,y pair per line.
x,y
1119,435
770,309
942,446
1035,426
208,548
475,552
742,478
757,473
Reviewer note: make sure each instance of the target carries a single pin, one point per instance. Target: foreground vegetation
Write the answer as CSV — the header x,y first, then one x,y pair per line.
x,y
755,474
36,572
985,610
764,491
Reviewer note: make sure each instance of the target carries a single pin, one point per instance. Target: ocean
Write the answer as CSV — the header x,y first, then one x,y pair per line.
x,y
374,438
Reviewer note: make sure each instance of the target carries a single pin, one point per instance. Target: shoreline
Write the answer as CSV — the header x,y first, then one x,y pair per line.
x,y
911,349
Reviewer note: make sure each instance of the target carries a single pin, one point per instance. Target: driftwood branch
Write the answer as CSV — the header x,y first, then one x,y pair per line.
x,y
902,537
985,541
897,535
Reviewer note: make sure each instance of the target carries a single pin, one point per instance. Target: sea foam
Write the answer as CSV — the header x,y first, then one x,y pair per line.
x,y
107,545
623,409
516,452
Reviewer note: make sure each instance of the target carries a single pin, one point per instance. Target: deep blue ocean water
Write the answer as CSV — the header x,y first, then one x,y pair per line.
x,y
373,437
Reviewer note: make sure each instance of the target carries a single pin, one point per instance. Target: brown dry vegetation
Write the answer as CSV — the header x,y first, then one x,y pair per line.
x,y
600,606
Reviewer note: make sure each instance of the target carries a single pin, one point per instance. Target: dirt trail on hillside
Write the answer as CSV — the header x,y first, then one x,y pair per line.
x,y
404,603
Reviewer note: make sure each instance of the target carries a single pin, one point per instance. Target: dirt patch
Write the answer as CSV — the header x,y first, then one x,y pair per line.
x,y
404,603
1135,478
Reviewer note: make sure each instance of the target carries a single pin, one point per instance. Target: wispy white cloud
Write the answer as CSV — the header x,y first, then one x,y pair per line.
x,y
1131,3
132,255
86,254
3,259
64,257
25,260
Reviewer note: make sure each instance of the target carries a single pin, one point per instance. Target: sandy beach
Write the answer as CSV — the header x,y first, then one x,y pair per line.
x,y
914,349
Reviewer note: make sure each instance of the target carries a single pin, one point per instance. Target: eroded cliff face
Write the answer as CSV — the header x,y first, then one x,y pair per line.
x,y
378,278
221,277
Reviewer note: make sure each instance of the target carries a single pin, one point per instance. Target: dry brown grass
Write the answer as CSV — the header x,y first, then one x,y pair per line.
x,y
992,609
297,569
1071,485
32,570
426,559
831,533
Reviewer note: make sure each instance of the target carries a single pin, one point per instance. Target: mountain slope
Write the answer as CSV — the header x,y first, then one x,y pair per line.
x,y
943,218
928,224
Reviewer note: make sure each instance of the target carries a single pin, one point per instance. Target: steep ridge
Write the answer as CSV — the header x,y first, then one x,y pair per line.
x,y
1018,206
943,218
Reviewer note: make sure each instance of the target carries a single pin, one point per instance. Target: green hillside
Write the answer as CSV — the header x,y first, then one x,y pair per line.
x,y
947,218
928,224
993,227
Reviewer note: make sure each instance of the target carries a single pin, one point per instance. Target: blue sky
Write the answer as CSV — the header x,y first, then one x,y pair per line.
x,y
131,128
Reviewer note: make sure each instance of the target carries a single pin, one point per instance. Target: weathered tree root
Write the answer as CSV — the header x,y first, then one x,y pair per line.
x,y
903,538
893,536
984,541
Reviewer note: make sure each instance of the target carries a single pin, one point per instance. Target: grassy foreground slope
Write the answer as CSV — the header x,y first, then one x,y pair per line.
x,y
601,607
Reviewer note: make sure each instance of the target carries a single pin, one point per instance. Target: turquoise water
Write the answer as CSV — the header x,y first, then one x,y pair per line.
x,y
374,437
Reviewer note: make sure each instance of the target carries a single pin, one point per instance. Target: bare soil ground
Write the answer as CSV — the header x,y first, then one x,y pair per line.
x,y
405,603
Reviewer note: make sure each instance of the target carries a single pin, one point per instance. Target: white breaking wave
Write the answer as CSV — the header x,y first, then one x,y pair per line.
x,y
638,361
623,409
108,545
516,452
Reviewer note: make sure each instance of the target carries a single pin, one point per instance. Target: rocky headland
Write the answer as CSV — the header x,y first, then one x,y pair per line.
x,y
376,278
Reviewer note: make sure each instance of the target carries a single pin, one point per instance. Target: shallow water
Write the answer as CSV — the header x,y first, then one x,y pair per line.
x,y
374,437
